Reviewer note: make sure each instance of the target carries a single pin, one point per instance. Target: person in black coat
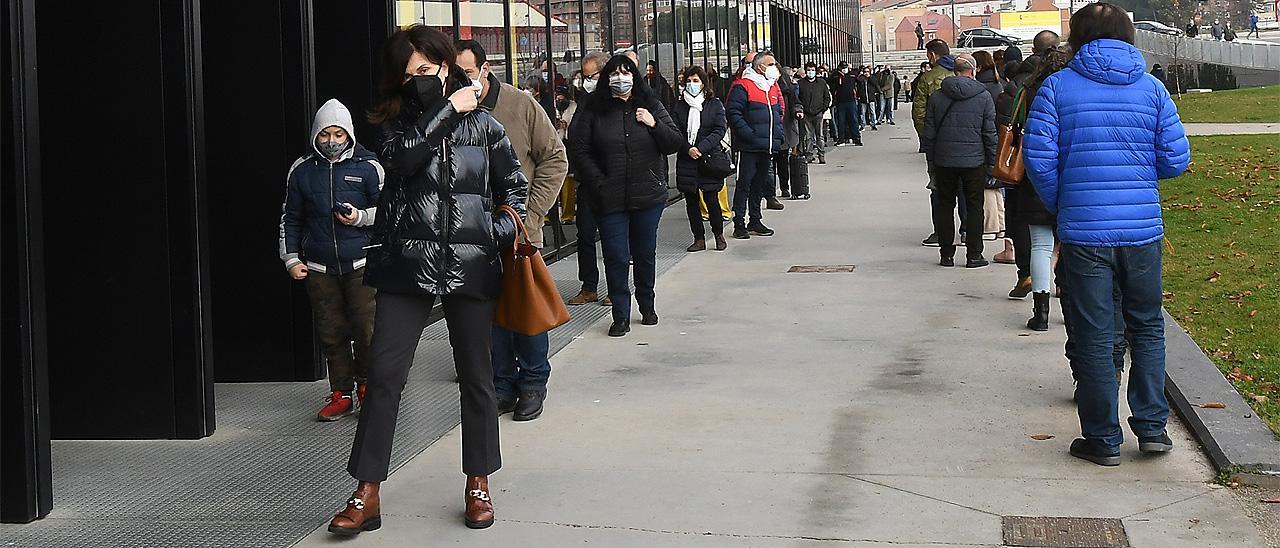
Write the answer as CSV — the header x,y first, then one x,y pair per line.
x,y
618,144
701,118
436,236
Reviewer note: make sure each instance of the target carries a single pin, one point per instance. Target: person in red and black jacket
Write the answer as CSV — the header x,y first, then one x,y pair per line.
x,y
754,108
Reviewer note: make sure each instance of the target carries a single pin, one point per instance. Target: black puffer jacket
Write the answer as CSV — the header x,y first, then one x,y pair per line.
x,y
711,129
446,174
1025,202
960,125
620,163
994,85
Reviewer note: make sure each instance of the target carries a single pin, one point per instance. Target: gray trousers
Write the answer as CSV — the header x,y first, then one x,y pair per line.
x,y
397,327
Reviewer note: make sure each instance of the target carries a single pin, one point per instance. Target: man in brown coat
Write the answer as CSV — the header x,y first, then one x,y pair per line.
x,y
520,363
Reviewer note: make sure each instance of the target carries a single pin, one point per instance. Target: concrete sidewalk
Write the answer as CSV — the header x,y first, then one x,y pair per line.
x,y
1232,129
891,405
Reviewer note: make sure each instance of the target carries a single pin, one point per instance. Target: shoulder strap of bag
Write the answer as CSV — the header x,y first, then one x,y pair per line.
x,y
1019,118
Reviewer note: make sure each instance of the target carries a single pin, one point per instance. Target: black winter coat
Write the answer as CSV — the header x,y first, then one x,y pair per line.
x,y
1026,202
815,96
868,90
619,162
710,132
437,225
960,125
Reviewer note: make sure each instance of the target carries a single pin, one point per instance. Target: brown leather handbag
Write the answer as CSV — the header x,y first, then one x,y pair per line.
x,y
529,303
1009,169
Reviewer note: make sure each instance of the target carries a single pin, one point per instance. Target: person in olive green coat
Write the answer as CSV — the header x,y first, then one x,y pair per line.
x,y
930,81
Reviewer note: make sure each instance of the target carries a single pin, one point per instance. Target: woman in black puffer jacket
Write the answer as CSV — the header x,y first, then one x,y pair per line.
x,y
437,235
701,118
618,145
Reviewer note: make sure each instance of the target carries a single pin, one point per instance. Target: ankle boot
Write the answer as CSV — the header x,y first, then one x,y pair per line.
x,y
698,245
1040,319
479,505
721,244
363,512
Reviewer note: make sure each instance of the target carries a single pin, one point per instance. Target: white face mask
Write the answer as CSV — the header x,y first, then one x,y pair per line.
x,y
620,83
589,84
772,72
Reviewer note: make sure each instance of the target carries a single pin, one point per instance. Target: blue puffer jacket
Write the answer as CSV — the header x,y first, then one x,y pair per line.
x,y
755,116
1098,138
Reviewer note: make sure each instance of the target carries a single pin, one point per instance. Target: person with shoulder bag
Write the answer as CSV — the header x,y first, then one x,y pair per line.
x,y
701,169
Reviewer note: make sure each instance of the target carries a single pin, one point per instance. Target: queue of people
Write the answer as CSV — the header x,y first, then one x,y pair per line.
x,y
464,160
1097,134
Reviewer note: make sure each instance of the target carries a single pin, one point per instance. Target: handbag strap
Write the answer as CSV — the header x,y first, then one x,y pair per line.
x,y
1019,117
521,234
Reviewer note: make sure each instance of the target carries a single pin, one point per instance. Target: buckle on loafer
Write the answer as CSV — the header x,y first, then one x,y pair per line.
x,y
479,494
356,502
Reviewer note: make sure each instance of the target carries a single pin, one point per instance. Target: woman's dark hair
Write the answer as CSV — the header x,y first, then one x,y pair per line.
x,y
640,91
1053,60
1098,21
436,46
708,91
987,61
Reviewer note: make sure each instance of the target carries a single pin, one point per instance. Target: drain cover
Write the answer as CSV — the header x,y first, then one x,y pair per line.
x,y
823,268
1064,532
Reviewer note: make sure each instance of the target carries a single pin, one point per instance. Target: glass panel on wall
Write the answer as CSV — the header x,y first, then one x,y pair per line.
x,y
437,15
485,22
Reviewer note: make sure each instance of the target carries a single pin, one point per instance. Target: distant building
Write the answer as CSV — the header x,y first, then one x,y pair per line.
x,y
884,16
935,25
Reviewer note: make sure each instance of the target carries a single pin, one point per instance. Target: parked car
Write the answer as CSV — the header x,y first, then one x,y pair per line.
x,y
1156,26
985,37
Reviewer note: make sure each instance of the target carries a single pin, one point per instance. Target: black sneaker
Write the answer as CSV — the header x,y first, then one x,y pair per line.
x,y
1155,444
506,406
947,261
758,229
1095,452
530,405
740,233
931,241
858,144
649,317
976,263
620,328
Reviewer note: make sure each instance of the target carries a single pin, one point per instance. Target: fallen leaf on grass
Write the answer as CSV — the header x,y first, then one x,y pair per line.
x,y
1213,405
1260,399
1275,500
1253,313
1237,374
1041,437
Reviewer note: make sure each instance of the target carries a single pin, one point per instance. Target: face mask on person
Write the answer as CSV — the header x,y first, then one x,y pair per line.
x,y
620,84
589,84
811,74
546,77
772,73
426,88
331,149
693,88
562,104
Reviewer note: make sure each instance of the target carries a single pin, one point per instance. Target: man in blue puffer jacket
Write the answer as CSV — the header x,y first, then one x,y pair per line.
x,y
330,202
754,111
1098,139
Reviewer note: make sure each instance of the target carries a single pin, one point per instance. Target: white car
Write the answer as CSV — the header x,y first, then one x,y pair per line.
x,y
1156,26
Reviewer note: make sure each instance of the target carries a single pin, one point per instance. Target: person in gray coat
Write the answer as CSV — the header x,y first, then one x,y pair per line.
x,y
959,141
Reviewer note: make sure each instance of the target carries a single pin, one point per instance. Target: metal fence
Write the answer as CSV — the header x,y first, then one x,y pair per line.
x,y
1255,55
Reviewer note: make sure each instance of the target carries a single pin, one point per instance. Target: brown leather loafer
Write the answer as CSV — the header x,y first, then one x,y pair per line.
x,y
363,512
479,505
583,297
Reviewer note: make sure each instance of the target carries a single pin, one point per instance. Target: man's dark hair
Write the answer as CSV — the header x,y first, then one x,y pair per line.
x,y
1044,41
474,47
810,65
652,63
1100,21
938,47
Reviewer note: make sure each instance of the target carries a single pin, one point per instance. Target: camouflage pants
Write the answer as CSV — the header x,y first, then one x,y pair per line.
x,y
343,308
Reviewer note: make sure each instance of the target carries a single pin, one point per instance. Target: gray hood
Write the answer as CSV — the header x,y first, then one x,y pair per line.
x,y
960,88
334,113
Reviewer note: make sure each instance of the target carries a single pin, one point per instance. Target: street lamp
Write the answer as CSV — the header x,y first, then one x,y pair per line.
x,y
955,26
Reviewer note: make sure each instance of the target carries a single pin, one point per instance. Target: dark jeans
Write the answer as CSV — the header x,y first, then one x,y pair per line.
x,y
755,174
630,237
847,121
1121,334
1092,275
714,215
342,308
1017,229
588,270
520,363
397,329
952,182
781,166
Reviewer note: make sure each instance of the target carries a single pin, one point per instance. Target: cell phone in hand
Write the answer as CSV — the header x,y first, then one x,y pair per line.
x,y
339,207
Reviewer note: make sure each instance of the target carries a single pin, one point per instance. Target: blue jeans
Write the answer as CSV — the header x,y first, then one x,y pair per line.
x,y
631,237
1092,275
755,179
887,112
520,363
1041,257
847,121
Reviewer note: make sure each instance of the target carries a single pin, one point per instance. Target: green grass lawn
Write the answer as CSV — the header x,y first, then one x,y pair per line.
x,y
1260,104
1222,266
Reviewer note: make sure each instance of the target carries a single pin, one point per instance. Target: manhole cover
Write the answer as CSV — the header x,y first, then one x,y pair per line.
x,y
1064,532
823,268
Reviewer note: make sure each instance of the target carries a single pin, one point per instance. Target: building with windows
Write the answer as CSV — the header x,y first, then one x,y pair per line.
x,y
141,268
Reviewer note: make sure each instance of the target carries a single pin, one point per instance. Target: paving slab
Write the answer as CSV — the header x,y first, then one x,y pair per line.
x,y
890,405
1232,129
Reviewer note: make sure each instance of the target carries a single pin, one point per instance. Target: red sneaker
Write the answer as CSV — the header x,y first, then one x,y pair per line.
x,y
360,394
337,405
